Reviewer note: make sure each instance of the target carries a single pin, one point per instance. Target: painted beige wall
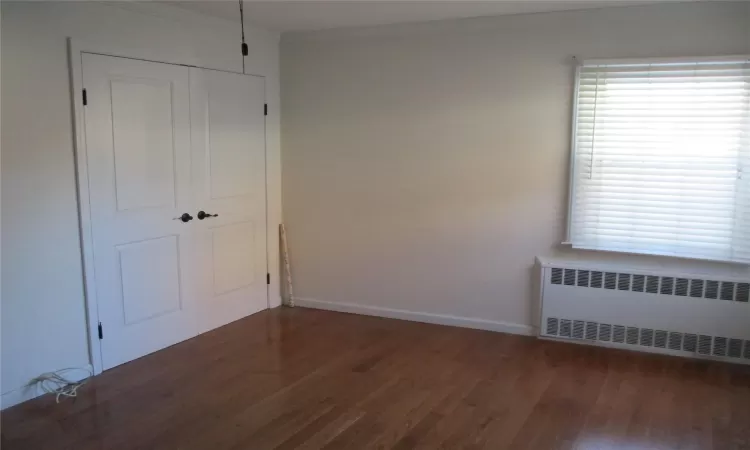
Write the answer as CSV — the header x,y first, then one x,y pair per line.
x,y
426,166
43,309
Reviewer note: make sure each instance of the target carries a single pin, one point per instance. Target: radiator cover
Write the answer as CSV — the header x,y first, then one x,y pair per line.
x,y
689,315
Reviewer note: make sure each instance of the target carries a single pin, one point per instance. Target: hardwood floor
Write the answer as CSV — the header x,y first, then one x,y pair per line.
x,y
307,379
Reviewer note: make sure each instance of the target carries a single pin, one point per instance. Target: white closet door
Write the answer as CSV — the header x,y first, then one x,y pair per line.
x,y
138,152
229,181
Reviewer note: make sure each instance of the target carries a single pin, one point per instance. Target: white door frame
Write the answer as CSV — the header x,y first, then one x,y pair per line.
x,y
75,49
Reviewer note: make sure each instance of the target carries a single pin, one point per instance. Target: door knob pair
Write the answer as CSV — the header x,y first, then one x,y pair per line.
x,y
201,215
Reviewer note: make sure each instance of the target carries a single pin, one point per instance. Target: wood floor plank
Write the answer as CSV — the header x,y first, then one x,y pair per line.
x,y
306,379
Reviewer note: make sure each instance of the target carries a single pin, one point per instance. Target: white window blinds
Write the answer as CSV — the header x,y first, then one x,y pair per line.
x,y
661,159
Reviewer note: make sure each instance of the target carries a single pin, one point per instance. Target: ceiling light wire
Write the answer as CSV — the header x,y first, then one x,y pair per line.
x,y
242,25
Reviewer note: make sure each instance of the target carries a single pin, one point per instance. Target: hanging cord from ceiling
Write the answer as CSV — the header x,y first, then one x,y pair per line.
x,y
57,383
242,25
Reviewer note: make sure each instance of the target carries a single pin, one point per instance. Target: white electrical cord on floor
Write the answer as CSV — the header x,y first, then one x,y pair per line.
x,y
56,383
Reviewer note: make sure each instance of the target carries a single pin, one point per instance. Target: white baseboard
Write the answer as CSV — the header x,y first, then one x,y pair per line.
x,y
439,319
25,393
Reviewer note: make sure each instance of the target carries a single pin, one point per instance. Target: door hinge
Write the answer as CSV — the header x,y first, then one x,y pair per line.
x,y
101,331
265,109
85,98
268,278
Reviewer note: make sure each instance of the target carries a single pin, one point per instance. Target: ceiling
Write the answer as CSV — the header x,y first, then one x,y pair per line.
x,y
303,15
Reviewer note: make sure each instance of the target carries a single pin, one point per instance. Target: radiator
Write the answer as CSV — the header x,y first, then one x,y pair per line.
x,y
679,314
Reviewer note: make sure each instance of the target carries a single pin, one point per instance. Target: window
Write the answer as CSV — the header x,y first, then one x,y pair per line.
x,y
661,158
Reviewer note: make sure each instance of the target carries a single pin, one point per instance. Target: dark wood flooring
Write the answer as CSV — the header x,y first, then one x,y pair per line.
x,y
306,379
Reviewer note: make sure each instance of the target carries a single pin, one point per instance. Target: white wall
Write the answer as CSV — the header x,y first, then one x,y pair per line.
x,y
425,166
43,309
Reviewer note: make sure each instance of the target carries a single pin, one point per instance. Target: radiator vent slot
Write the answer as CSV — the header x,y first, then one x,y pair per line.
x,y
639,283
632,336
570,277
565,328
712,289
690,343
596,280
675,341
720,346
610,280
623,282
660,339
651,284
591,331
702,344
727,291
681,288
735,348
553,326
619,335
583,278
578,329
605,332
666,285
743,292
696,288
556,276
647,337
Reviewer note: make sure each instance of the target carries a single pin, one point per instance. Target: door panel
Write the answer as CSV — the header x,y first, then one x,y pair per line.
x,y
150,274
232,268
230,152
143,144
138,154
228,134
